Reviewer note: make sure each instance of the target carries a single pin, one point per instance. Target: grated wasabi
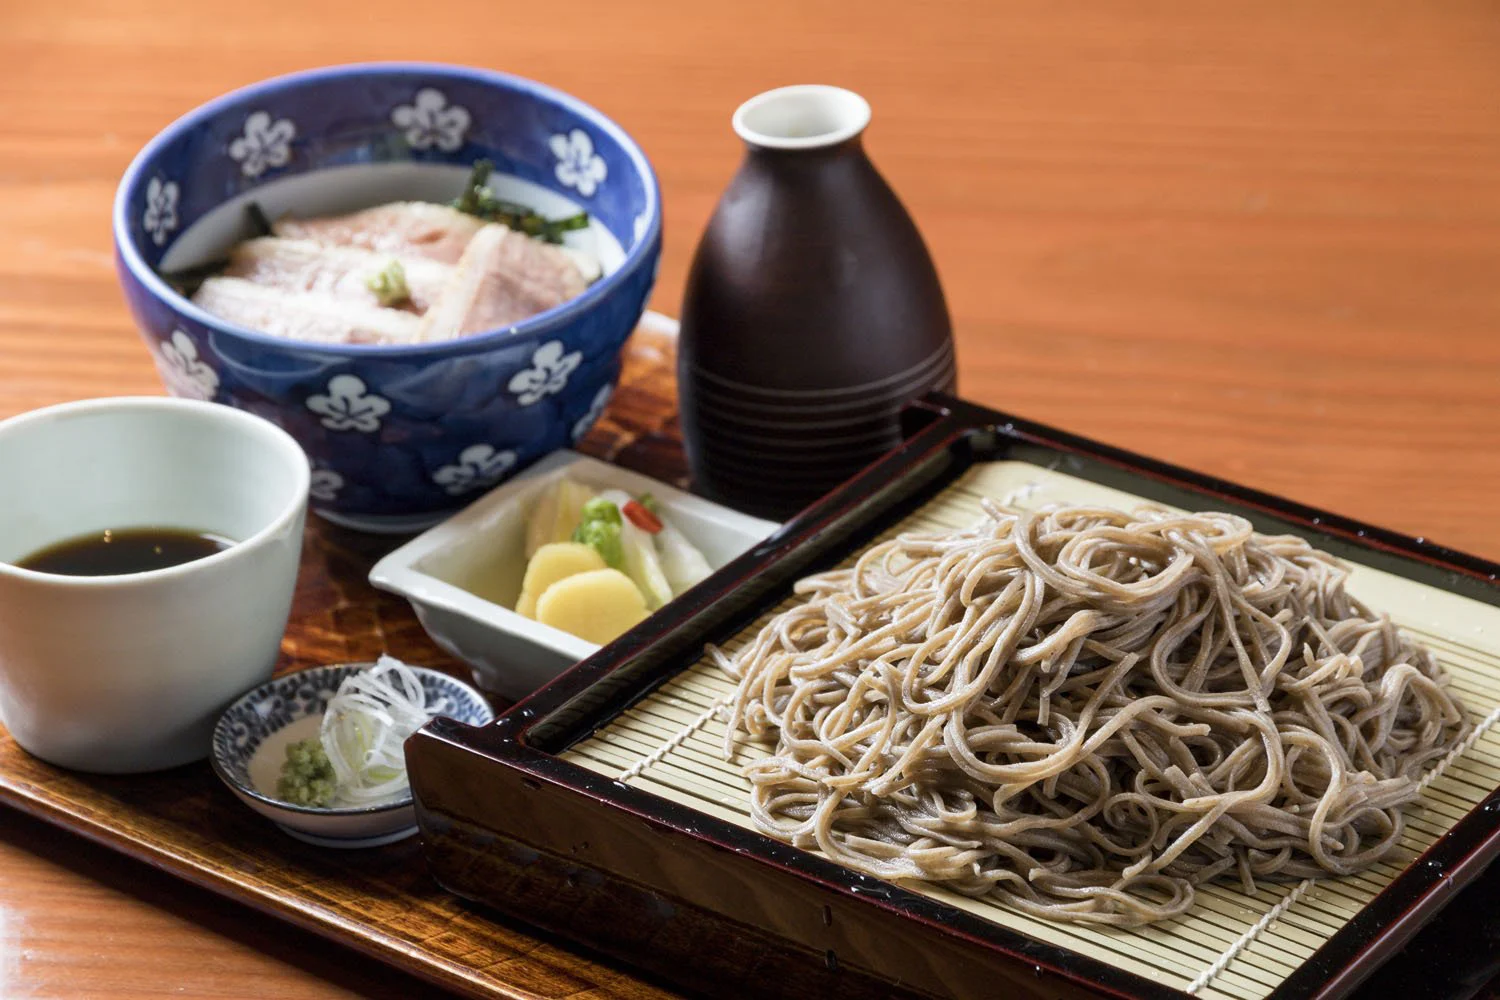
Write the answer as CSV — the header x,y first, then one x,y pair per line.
x,y
307,777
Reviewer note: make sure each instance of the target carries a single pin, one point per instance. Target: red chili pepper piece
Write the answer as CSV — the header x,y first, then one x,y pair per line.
x,y
641,517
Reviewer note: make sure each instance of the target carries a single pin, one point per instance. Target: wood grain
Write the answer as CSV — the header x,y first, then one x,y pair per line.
x,y
1259,240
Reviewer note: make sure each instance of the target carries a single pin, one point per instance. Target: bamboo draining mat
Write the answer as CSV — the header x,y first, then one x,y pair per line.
x,y
1230,946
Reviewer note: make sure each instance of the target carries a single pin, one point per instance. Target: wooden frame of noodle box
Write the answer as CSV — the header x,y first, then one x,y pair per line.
x,y
718,909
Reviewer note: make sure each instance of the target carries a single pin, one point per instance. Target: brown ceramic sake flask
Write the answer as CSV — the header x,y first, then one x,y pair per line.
x,y
813,311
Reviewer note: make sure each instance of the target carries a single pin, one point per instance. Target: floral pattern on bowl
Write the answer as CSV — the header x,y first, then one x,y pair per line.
x,y
578,166
387,425
259,715
265,144
430,121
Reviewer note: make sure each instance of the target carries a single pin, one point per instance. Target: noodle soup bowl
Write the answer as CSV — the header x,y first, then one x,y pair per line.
x,y
400,435
250,741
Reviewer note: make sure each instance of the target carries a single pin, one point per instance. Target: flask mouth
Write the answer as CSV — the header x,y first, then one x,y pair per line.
x,y
806,116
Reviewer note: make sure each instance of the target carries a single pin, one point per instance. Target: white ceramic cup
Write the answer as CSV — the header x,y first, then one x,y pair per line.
x,y
128,673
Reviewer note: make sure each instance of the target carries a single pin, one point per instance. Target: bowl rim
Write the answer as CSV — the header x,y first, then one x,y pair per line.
x,y
541,323
250,424
247,791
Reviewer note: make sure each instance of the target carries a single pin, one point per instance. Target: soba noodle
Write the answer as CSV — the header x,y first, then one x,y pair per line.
x,y
1085,713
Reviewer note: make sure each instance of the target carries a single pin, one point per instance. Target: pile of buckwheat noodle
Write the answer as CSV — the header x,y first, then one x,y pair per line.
x,y
1084,713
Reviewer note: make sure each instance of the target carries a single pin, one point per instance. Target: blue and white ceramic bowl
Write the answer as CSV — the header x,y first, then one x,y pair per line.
x,y
252,735
398,436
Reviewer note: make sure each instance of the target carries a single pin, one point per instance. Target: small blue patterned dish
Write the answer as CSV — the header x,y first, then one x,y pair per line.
x,y
252,735
398,436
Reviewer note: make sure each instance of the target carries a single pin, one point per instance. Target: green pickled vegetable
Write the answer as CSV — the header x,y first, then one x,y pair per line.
x,y
307,777
599,528
604,538
600,509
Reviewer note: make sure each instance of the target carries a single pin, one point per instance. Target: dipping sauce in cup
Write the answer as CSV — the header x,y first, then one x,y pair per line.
x,y
133,550
148,557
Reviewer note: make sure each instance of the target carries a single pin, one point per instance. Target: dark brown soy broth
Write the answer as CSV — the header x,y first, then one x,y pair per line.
x,y
129,550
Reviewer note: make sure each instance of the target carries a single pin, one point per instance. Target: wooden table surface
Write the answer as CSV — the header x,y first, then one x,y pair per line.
x,y
1261,240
